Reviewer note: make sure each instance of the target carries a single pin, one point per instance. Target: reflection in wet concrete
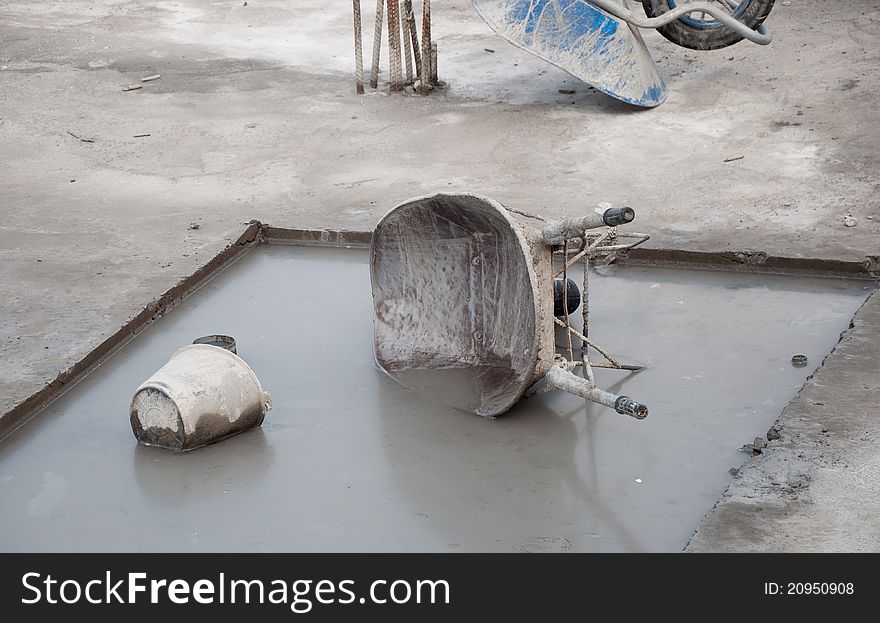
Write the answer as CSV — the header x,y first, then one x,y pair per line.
x,y
197,478
349,460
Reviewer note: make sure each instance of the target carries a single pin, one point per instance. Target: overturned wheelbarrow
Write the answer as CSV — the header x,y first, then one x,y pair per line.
x,y
464,299
598,41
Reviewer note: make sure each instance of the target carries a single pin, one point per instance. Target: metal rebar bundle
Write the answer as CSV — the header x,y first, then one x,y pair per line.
x,y
409,58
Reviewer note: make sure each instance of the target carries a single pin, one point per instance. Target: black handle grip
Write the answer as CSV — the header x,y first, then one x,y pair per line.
x,y
618,216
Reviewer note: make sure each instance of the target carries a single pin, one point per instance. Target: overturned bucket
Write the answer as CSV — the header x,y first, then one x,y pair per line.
x,y
202,395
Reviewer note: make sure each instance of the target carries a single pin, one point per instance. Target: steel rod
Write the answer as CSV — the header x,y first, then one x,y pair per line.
x,y
394,65
424,84
358,47
410,18
407,48
377,44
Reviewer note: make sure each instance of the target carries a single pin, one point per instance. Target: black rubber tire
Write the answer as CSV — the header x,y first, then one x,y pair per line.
x,y
707,38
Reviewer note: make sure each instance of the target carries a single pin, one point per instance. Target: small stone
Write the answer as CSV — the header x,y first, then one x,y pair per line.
x,y
733,471
849,221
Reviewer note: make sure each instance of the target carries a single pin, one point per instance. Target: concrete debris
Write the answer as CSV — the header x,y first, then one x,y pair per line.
x,y
773,433
756,447
850,221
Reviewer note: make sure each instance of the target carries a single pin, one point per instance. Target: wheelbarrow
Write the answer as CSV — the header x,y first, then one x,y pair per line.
x,y
598,41
467,300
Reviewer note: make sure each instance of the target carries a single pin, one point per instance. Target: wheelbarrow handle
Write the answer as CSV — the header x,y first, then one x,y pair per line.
x,y
555,232
761,35
560,377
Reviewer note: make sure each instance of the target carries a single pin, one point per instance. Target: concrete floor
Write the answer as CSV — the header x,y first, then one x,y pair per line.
x,y
349,460
255,117
815,489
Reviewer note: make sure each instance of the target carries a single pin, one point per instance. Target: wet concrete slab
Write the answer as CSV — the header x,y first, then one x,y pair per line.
x,y
350,460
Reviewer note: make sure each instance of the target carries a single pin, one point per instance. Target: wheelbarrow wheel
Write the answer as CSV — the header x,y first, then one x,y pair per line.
x,y
700,31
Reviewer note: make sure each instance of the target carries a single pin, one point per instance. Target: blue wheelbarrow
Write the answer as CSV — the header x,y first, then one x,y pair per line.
x,y
598,41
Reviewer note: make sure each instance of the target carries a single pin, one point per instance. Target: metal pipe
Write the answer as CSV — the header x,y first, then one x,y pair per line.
x,y
559,376
761,35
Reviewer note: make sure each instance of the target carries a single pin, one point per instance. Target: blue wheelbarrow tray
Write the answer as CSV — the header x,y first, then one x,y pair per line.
x,y
593,46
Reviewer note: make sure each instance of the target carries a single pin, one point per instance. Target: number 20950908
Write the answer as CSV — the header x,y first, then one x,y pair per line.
x,y
809,588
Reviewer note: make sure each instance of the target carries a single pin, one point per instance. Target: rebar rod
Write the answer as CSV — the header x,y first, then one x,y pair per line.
x,y
424,84
358,48
394,65
410,18
407,49
377,44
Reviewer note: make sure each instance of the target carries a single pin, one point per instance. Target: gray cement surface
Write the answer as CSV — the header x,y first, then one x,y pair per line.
x,y
815,488
255,116
348,460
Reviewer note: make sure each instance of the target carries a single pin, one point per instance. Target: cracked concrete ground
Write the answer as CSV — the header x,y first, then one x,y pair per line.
x,y
255,117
